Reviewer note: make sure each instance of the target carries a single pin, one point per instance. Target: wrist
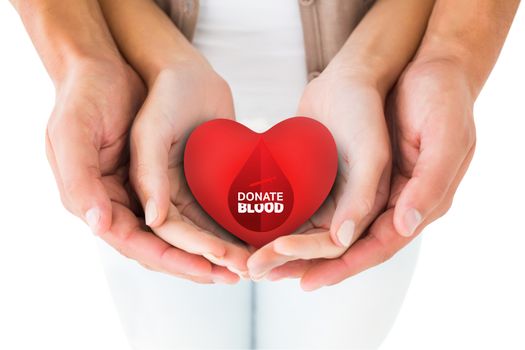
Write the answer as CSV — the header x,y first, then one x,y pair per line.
x,y
451,56
359,72
66,36
445,74
471,36
192,64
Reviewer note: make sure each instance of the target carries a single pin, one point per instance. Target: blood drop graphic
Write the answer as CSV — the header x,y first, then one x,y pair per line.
x,y
260,197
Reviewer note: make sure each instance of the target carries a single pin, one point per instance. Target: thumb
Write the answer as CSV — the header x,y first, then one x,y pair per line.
x,y
149,167
75,163
358,201
435,170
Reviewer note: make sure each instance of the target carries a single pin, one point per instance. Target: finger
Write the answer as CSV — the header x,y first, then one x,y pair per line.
x,y
383,242
377,246
263,260
75,161
446,203
270,256
358,203
234,260
181,233
436,167
184,235
291,269
126,236
236,253
218,274
197,279
150,145
308,246
221,274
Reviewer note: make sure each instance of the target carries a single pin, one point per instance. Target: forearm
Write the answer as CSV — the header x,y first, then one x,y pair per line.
x,y
384,42
470,33
65,33
147,37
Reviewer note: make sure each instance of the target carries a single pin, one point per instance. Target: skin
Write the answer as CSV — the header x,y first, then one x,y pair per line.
x,y
349,98
97,98
183,92
163,123
433,134
433,138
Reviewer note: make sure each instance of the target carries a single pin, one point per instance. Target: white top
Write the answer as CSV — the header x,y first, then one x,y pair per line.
x,y
257,46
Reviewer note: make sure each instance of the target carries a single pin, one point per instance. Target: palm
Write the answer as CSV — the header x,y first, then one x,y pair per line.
x,y
352,114
128,232
133,239
108,100
430,108
433,140
203,99
177,102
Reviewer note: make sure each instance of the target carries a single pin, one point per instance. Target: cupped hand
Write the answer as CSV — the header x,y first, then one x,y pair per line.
x,y
433,132
87,134
181,98
87,147
352,109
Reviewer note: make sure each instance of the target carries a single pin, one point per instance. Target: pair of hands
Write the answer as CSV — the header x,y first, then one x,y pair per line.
x,y
380,201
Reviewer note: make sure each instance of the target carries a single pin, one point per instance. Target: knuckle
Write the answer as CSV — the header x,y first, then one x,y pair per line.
x,y
69,193
446,205
384,252
140,175
122,251
364,206
65,202
384,255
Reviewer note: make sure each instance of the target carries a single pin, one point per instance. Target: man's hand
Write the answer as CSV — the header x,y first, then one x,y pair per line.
x,y
87,134
432,130
87,147
433,141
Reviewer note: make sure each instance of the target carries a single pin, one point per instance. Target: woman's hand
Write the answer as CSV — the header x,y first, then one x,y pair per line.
x,y
352,109
180,98
348,97
434,141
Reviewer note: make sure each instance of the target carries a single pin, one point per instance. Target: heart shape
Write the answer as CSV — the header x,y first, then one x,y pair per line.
x,y
259,186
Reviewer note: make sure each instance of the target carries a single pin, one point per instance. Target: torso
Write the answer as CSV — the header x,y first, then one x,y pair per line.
x,y
257,46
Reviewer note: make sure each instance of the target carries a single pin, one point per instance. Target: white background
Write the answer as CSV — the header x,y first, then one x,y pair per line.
x,y
468,291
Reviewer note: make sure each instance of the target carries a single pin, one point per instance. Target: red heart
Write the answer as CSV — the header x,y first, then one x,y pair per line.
x,y
260,186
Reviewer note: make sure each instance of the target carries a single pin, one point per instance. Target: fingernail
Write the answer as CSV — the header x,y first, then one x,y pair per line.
x,y
346,232
213,258
93,218
412,220
151,211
